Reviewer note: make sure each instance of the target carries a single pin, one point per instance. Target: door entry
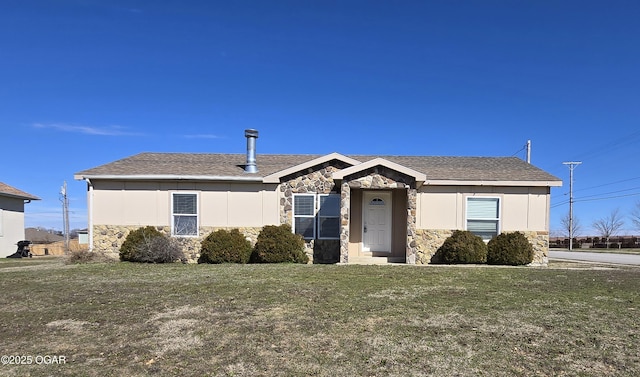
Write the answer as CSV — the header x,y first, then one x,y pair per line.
x,y
376,224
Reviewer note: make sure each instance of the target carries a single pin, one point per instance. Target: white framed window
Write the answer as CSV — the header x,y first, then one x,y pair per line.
x,y
1,222
184,214
483,216
316,216
304,213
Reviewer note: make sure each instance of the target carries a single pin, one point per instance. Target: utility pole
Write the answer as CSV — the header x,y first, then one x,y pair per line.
x,y
572,165
65,215
528,151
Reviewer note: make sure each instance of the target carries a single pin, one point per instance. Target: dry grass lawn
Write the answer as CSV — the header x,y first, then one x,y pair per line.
x,y
123,319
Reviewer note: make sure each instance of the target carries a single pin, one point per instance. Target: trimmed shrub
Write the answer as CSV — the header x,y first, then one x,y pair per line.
x,y
277,244
148,245
224,246
511,249
462,247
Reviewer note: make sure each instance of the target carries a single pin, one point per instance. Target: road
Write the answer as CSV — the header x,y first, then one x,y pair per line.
x,y
631,259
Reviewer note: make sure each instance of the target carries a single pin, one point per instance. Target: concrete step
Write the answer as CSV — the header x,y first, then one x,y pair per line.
x,y
374,260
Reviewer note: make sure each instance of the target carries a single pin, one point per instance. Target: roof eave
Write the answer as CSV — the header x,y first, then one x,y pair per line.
x,y
16,196
448,182
167,177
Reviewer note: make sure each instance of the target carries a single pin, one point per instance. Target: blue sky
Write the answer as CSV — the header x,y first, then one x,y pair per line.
x,y
86,82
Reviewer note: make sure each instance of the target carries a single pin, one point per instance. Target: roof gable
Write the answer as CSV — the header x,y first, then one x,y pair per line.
x,y
275,177
419,177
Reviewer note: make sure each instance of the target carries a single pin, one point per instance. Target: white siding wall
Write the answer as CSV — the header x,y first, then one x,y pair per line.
x,y
12,227
522,208
149,203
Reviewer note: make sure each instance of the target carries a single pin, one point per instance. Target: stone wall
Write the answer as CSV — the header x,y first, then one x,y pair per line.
x,y
109,238
427,243
429,240
540,243
379,178
314,180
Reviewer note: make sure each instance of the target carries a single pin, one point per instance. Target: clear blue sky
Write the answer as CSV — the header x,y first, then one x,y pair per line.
x,y
86,82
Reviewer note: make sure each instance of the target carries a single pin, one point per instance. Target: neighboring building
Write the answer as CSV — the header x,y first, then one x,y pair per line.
x,y
83,237
44,242
350,209
12,203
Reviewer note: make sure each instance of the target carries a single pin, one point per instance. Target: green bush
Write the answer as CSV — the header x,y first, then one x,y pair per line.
x,y
148,245
224,246
462,247
511,249
277,244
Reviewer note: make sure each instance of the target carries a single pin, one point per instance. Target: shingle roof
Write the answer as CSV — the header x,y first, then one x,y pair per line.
x,y
7,190
41,236
232,165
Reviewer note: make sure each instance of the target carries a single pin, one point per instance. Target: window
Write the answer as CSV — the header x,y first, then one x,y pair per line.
x,y
316,216
1,221
483,217
329,216
304,215
184,214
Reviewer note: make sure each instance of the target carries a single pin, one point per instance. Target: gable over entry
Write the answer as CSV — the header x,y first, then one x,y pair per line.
x,y
378,212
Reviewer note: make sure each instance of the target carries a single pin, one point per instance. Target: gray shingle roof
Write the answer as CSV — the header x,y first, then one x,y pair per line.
x,y
7,190
232,165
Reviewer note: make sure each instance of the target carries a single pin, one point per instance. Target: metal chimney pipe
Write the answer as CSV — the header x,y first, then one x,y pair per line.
x,y
251,136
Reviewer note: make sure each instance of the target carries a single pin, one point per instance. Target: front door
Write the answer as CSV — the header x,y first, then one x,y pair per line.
x,y
376,224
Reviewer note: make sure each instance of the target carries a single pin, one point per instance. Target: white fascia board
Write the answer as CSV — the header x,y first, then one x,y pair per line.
x,y
419,177
275,177
444,182
170,178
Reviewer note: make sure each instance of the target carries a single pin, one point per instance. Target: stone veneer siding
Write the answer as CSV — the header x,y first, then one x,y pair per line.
x,y
429,240
378,178
314,180
108,238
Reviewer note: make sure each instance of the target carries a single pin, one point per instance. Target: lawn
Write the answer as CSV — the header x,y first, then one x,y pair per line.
x,y
124,319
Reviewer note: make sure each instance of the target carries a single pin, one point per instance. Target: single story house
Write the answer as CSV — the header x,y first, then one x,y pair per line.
x,y
349,209
12,203
44,242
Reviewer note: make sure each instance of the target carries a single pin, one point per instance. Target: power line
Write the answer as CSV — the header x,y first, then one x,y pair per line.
x,y
608,184
587,198
615,143
609,197
607,193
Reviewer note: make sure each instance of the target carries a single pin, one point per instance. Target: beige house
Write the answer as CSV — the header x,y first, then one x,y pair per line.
x,y
12,203
349,209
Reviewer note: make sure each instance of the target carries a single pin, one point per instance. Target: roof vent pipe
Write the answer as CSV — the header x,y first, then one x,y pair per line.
x,y
251,136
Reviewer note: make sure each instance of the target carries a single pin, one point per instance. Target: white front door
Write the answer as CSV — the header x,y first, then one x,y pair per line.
x,y
376,224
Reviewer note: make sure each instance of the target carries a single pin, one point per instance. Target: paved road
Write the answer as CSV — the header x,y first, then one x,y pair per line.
x,y
596,257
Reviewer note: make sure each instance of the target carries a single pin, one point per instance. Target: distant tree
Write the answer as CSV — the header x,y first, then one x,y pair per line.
x,y
565,222
635,215
610,225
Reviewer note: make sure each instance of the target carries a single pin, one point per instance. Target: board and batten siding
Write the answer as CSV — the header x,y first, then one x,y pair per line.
x,y
521,208
219,204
